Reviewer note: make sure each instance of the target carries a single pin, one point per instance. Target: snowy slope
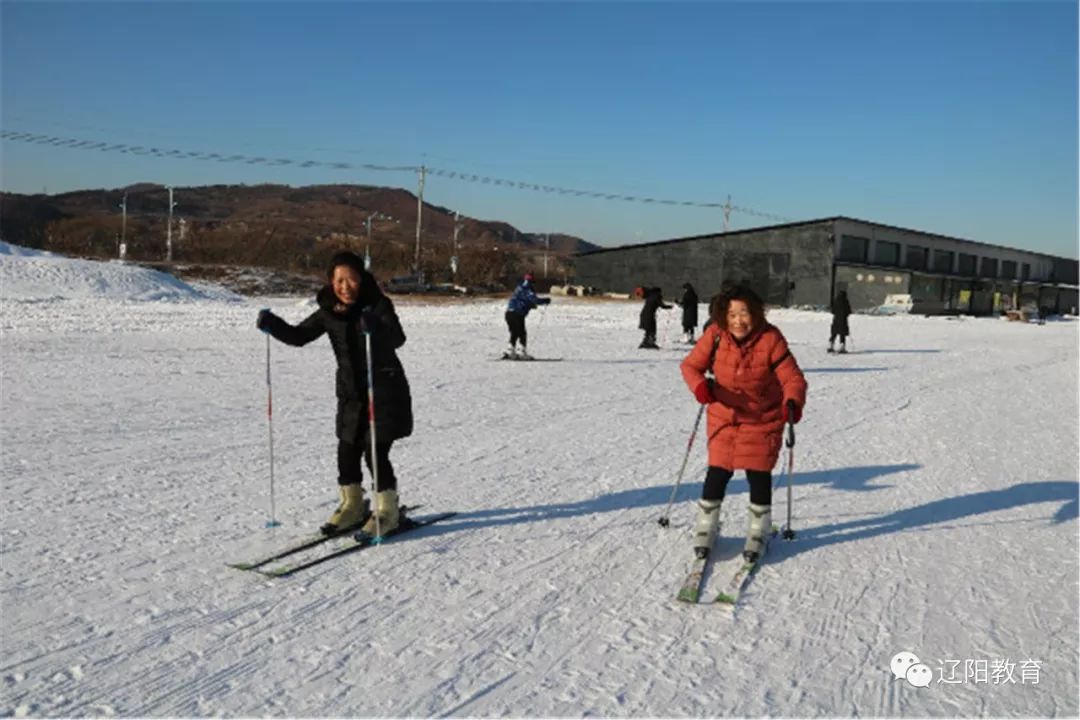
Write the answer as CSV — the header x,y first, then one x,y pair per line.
x,y
935,499
35,276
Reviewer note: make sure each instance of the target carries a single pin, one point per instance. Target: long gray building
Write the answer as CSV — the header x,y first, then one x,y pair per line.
x,y
807,263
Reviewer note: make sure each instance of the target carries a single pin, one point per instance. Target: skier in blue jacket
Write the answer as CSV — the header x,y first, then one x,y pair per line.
x,y
521,302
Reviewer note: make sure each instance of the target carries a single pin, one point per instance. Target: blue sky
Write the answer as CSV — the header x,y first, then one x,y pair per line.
x,y
956,118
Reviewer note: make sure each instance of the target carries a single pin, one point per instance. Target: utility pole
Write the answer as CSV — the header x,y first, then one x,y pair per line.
x,y
453,257
547,249
168,232
122,250
367,250
419,211
727,212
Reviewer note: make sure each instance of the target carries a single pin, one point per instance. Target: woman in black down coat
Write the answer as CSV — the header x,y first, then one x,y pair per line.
x,y
350,305
689,304
654,300
841,309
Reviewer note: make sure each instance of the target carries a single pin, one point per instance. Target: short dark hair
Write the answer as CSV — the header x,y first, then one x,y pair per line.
x,y
347,258
719,304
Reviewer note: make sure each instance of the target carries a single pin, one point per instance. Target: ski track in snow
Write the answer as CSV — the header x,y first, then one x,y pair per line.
x,y
934,464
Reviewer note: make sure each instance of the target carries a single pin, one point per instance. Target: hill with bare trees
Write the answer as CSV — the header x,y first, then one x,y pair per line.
x,y
295,229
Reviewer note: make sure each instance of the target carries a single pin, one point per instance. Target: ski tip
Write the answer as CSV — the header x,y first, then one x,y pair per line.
x,y
241,566
725,599
688,596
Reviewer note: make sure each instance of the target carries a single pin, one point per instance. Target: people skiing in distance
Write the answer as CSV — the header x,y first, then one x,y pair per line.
x,y
351,306
521,302
689,304
654,300
758,388
841,309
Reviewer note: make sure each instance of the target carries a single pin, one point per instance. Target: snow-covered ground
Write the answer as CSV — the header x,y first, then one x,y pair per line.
x,y
935,501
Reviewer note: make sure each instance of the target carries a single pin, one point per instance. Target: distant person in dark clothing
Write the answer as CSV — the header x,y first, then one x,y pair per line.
x,y
654,300
689,303
521,302
841,308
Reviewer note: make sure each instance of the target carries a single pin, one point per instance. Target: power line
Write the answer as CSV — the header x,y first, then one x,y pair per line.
x,y
451,174
191,154
236,158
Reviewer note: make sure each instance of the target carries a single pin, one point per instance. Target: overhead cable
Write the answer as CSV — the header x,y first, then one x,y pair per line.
x,y
76,143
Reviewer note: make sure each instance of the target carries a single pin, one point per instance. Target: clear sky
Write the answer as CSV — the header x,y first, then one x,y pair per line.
x,y
956,118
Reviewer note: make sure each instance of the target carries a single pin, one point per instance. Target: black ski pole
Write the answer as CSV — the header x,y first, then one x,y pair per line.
x,y
789,533
665,519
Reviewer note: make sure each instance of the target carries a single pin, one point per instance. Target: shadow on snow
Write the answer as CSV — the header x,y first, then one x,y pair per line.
x,y
936,512
856,479
884,352
844,369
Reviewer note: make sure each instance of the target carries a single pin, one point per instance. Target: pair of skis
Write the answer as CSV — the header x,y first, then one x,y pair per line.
x,y
691,588
530,359
265,565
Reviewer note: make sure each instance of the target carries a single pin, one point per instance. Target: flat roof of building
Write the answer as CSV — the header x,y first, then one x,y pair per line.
x,y
833,218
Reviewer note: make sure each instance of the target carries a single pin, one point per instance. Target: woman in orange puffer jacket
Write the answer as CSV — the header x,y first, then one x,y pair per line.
x,y
758,388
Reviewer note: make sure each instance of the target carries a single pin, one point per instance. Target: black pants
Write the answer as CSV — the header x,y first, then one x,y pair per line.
x,y
716,480
832,337
348,462
516,323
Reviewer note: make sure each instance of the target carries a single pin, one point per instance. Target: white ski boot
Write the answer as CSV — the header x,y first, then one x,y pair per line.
x,y
524,355
708,524
760,528
386,509
510,353
352,510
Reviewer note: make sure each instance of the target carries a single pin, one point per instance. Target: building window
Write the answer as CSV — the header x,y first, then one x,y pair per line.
x,y
853,248
1025,272
916,257
943,261
967,264
1008,269
988,268
886,253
